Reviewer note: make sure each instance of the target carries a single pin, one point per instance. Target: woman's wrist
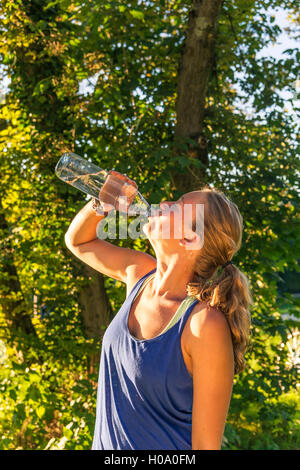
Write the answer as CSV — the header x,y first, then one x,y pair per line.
x,y
100,207
97,208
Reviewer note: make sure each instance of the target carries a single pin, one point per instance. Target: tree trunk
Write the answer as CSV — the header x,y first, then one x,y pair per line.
x,y
12,301
95,307
194,71
96,310
57,120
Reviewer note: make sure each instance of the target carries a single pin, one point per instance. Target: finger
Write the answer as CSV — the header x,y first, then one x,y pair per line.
x,y
106,207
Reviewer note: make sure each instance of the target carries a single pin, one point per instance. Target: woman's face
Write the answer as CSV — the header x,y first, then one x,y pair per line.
x,y
172,222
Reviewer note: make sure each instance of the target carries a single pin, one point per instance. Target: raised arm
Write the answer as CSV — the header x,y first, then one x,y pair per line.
x,y
123,264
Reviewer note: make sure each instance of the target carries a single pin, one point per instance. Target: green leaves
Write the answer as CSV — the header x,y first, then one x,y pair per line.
x,y
40,411
42,86
137,14
127,121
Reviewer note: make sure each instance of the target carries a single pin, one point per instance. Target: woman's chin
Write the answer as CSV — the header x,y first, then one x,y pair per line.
x,y
146,229
149,230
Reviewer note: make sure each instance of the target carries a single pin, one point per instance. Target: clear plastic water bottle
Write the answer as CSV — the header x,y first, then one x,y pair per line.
x,y
108,186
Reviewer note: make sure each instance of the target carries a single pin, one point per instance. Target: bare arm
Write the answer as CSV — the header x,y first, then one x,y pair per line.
x,y
117,262
210,347
83,227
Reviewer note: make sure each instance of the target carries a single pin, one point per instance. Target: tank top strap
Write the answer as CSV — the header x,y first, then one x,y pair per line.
x,y
143,284
185,304
182,309
187,311
139,284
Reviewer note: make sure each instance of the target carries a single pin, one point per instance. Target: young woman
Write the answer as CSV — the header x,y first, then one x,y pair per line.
x,y
170,354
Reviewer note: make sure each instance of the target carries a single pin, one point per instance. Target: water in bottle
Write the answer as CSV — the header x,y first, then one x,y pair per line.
x,y
107,186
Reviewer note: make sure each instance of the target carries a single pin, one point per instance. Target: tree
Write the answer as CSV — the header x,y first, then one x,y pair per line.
x,y
140,63
14,306
196,65
37,46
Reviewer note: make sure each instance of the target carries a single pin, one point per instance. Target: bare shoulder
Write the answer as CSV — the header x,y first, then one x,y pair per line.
x,y
205,326
211,362
137,270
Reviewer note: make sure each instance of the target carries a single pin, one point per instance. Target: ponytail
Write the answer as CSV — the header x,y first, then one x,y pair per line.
x,y
230,293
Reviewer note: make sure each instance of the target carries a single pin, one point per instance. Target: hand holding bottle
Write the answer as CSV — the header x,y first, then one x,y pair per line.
x,y
101,208
114,190
118,191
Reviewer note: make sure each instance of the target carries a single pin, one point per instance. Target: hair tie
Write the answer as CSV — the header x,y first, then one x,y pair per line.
x,y
228,262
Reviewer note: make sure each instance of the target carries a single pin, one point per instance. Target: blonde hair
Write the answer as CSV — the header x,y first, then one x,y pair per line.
x,y
229,291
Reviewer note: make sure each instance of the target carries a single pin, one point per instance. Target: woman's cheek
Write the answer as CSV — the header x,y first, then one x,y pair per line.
x,y
164,226
173,224
167,226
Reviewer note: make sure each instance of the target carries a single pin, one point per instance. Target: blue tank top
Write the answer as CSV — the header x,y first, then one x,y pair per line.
x,y
145,392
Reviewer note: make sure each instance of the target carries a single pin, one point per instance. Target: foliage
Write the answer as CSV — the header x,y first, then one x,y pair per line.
x,y
49,405
128,56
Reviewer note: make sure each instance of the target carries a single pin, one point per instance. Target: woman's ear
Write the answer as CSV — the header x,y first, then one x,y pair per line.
x,y
191,241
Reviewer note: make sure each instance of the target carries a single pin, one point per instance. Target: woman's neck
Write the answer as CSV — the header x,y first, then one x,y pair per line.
x,y
171,277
